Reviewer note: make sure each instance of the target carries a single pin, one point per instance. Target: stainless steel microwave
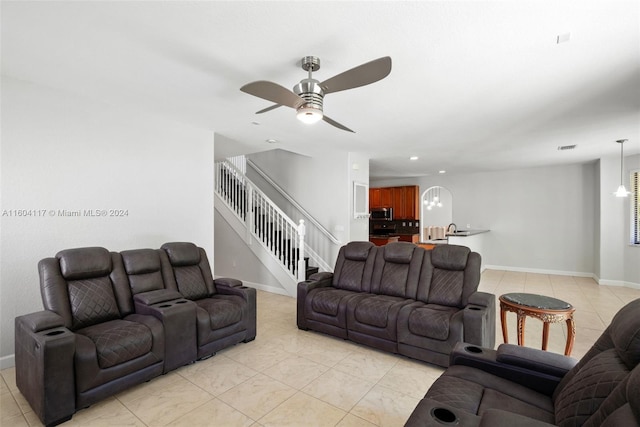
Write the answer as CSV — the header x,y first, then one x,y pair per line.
x,y
381,214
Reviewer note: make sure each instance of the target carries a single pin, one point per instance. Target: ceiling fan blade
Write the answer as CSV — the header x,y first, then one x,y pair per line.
x,y
273,107
273,92
361,75
336,124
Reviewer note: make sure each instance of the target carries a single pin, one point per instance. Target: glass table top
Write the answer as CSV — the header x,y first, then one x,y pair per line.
x,y
537,301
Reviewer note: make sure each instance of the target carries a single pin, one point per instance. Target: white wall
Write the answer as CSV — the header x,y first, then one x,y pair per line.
x,y
358,168
613,239
540,218
631,253
62,152
235,259
320,184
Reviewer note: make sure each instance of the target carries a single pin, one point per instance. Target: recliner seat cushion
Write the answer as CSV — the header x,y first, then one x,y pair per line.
x,y
476,391
222,311
431,321
328,301
374,310
119,341
92,301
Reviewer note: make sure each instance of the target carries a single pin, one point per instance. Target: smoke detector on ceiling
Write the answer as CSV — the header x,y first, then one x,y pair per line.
x,y
566,147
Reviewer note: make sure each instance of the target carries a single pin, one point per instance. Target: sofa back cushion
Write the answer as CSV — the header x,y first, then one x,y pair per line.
x,y
85,281
397,270
449,275
605,366
143,269
190,273
354,266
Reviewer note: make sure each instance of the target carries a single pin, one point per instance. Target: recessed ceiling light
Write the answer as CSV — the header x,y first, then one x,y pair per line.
x,y
563,38
272,141
413,158
566,147
442,171
255,123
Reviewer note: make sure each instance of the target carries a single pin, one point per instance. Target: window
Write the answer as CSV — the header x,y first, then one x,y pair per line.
x,y
635,207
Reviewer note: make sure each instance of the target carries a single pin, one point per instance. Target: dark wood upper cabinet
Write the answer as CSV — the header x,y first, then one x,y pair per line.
x,y
404,201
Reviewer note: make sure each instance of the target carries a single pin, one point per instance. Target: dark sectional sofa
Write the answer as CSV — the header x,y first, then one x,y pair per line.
x,y
520,386
114,320
402,299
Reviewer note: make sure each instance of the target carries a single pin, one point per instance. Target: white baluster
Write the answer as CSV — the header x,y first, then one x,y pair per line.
x,y
301,267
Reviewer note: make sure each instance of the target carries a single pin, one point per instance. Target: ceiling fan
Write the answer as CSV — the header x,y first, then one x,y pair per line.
x,y
308,95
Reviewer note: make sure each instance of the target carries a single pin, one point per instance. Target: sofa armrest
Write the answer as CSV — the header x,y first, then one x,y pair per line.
x,y
430,412
44,357
486,359
536,360
317,280
156,297
323,275
41,320
498,417
227,281
250,308
479,319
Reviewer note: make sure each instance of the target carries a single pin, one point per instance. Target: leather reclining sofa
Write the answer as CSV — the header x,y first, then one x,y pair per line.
x,y
520,386
402,299
114,320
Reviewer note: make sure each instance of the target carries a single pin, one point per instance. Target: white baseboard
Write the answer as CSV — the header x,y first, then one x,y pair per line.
x,y
539,271
262,287
8,361
603,282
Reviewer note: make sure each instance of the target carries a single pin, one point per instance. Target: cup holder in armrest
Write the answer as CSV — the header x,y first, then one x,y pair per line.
x,y
52,333
473,349
474,308
164,305
444,416
182,301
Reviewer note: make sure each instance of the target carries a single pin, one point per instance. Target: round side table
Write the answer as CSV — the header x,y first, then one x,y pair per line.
x,y
547,309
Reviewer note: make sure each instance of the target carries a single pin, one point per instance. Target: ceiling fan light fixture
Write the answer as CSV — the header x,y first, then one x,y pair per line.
x,y
309,115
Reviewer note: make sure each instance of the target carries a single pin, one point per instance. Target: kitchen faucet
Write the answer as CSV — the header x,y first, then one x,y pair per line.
x,y
455,228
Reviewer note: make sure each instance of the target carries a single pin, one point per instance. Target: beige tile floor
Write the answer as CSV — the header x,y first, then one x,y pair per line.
x,y
288,377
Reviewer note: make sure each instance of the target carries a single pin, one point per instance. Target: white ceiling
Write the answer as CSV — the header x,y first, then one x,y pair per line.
x,y
475,86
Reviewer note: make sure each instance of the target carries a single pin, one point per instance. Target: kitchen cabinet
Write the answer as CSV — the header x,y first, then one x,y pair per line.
x,y
404,201
380,198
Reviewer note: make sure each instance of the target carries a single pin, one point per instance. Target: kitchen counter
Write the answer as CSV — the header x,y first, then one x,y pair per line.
x,y
473,239
381,240
466,232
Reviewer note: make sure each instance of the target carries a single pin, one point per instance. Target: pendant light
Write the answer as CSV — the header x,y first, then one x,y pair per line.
x,y
622,191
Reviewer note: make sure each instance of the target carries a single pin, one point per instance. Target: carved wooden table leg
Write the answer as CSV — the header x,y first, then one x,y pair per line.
x,y
571,335
503,321
521,318
547,309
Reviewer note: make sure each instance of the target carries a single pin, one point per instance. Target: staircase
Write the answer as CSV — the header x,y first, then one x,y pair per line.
x,y
257,218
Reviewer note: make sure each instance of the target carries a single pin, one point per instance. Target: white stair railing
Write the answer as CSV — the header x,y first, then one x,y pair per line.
x,y
263,220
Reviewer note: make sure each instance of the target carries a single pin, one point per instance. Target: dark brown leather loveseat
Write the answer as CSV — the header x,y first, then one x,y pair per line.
x,y
402,299
520,386
114,320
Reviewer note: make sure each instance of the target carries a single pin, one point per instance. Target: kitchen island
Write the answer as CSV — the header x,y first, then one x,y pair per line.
x,y
473,239
381,240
